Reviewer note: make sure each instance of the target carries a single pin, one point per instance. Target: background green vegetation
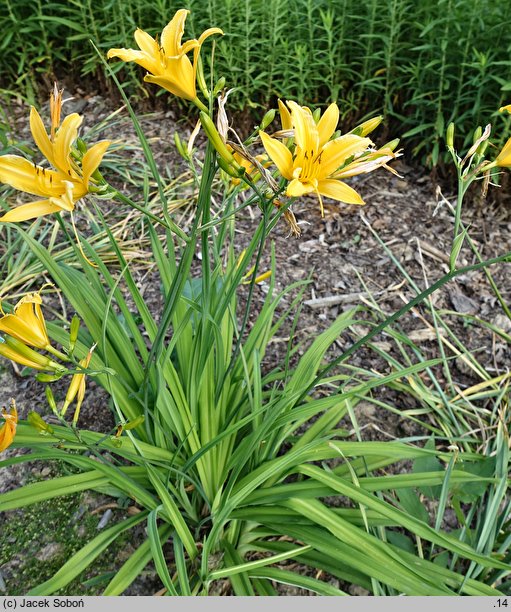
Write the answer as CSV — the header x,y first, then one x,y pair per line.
x,y
422,64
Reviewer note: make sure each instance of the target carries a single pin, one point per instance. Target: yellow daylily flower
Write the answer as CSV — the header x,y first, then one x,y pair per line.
x,y
503,159
8,429
61,188
27,322
166,61
311,167
505,108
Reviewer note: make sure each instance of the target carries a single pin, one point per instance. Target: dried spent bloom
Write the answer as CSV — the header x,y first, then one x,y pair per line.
x,y
315,163
166,60
8,429
61,188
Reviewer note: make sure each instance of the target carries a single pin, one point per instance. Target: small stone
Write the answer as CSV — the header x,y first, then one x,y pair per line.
x,y
50,551
104,519
46,471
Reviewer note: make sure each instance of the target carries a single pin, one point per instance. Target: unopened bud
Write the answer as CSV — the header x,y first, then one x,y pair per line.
x,y
216,140
316,115
15,350
368,126
449,136
135,422
180,146
48,378
81,145
73,332
477,133
220,84
38,423
50,399
392,145
268,118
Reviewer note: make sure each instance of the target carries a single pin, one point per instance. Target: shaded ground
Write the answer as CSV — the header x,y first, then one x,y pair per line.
x,y
348,267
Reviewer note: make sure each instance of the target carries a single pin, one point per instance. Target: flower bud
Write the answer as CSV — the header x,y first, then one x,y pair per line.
x,y
316,115
50,399
216,140
38,423
116,442
180,146
392,145
73,332
367,127
81,145
20,353
48,378
268,118
135,422
220,84
449,136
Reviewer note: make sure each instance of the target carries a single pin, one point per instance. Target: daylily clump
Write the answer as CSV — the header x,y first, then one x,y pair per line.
x,y
62,187
166,60
316,162
8,429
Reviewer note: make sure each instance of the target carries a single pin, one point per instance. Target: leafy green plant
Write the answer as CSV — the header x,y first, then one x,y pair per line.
x,y
235,467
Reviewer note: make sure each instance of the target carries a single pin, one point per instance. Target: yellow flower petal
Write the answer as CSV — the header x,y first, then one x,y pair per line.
x,y
328,123
92,159
40,135
139,57
504,157
336,152
337,190
8,429
285,117
183,87
66,135
173,33
505,108
21,174
207,33
30,211
280,155
146,42
306,130
296,189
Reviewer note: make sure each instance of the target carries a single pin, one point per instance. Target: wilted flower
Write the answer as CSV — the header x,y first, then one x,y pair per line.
x,y
61,188
8,429
166,60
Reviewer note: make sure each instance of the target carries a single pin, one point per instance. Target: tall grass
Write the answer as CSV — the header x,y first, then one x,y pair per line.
x,y
420,63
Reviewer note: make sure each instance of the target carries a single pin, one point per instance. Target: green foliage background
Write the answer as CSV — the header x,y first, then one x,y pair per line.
x,y
422,64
